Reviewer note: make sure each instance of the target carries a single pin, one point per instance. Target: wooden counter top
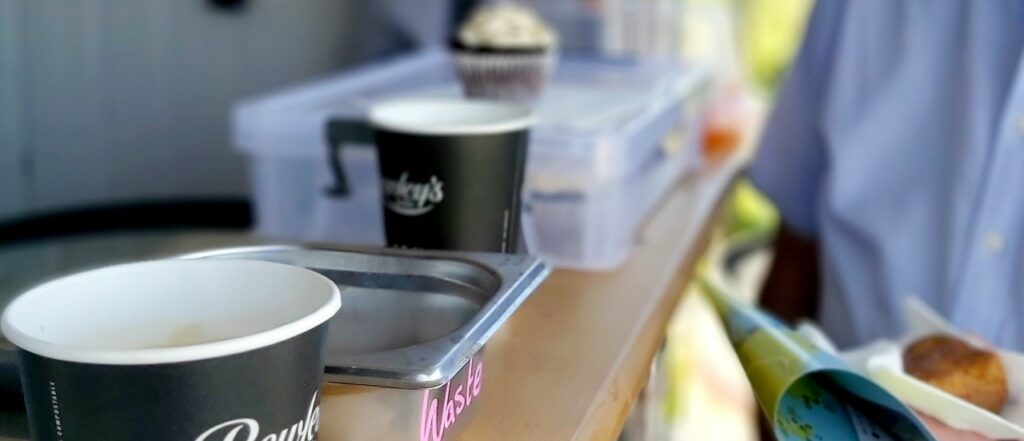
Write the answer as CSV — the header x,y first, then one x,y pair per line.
x,y
569,364
571,361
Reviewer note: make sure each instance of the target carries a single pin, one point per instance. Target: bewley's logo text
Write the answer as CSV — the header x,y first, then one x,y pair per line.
x,y
248,429
412,198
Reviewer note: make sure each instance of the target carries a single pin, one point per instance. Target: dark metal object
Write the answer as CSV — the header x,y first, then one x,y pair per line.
x,y
217,213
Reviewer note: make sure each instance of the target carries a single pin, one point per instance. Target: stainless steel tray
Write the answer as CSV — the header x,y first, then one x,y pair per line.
x,y
408,320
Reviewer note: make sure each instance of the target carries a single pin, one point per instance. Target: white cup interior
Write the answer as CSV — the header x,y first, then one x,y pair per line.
x,y
169,311
450,116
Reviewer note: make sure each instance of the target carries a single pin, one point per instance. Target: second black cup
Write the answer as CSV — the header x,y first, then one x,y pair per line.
x,y
451,171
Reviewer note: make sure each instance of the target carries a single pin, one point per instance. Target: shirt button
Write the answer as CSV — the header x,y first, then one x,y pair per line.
x,y
994,242
1020,125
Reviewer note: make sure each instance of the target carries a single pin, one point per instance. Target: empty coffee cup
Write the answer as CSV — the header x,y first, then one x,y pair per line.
x,y
174,350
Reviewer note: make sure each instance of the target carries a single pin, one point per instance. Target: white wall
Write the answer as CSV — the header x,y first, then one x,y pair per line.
x,y
108,100
13,191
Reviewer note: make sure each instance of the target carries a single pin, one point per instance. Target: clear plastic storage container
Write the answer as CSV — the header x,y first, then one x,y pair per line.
x,y
612,136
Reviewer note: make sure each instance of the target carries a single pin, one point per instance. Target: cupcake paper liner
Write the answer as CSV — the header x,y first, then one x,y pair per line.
x,y
512,76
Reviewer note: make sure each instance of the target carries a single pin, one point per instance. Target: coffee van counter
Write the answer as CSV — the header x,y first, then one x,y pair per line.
x,y
569,364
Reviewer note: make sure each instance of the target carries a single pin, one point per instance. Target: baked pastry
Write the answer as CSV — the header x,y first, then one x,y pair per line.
x,y
505,51
953,365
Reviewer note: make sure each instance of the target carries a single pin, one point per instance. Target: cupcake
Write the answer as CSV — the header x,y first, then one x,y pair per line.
x,y
505,51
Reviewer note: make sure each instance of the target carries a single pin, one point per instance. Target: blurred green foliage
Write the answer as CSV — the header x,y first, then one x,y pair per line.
x,y
750,212
770,32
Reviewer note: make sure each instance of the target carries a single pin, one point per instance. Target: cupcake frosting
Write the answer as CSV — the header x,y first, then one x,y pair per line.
x,y
506,26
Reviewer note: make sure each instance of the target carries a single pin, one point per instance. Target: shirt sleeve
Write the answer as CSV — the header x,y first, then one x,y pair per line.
x,y
790,161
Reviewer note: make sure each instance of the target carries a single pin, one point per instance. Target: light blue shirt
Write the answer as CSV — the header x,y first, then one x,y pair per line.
x,y
898,142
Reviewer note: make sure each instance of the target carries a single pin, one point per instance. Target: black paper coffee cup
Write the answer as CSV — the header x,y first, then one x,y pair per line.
x,y
174,350
452,172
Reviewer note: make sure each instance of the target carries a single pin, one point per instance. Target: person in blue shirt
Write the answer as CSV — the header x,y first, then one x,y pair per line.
x,y
895,154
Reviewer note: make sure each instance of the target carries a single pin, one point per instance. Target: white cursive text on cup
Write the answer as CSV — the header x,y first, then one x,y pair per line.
x,y
304,430
412,198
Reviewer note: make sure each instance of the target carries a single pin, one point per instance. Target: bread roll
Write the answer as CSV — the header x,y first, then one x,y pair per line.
x,y
950,364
